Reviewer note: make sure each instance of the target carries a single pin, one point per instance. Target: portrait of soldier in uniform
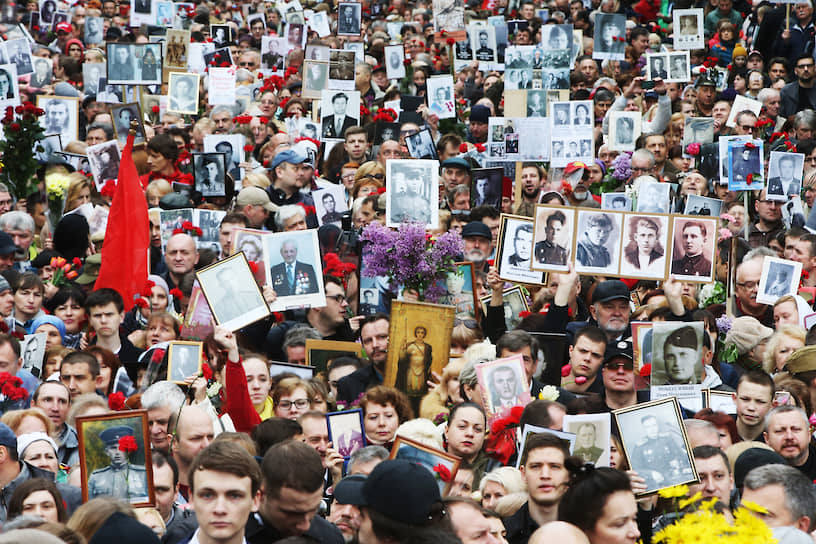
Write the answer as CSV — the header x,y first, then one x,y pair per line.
x,y
120,478
548,251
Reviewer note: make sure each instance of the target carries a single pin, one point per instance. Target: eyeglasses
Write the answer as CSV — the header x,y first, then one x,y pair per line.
x,y
616,365
339,299
749,285
246,64
375,176
299,403
747,127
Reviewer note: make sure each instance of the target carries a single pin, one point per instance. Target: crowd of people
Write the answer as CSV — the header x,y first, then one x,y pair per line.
x,y
242,449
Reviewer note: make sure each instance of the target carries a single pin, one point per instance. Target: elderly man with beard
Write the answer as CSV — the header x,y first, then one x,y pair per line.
x,y
787,431
478,240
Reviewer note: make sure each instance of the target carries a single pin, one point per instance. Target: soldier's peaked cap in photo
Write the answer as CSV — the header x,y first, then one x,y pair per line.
x,y
112,435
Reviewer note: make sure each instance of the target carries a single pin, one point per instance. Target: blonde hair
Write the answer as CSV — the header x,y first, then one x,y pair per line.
x,y
423,431
363,176
257,179
82,403
158,188
791,331
510,478
77,184
14,418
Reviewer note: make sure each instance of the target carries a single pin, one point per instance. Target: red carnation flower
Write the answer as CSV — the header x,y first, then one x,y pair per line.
x,y
116,401
253,266
750,179
175,292
750,145
450,41
248,148
206,371
646,370
155,109
443,472
128,444
480,148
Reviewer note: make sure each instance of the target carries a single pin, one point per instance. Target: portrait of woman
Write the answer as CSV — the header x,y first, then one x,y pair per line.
x,y
6,85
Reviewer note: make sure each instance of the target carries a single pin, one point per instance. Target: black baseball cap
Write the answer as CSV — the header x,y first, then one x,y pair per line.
x,y
477,228
609,290
400,490
618,349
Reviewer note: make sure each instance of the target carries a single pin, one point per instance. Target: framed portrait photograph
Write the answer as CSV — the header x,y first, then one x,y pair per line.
x,y
395,61
486,188
702,205
679,67
232,147
694,242
232,293
421,145
428,457
93,77
780,277
460,292
412,192
321,353
177,48
655,444
341,70
182,91
384,132
250,243
114,457
698,130
745,161
677,352
339,111
513,303
48,9
741,104
688,28
722,148
104,159
645,242
420,336
61,116
221,35
483,40
134,64
9,85
330,204
316,78
346,431
720,401
617,202
656,66
43,73
171,220
597,242
122,117
294,269
784,175
624,130
610,36
18,53
208,173
301,371
184,359
552,243
653,197
217,57
317,52
440,96
274,52
348,18
514,250
503,384
51,143
591,437
319,22
32,352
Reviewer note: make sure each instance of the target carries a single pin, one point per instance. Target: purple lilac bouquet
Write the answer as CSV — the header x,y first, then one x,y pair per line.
x,y
410,258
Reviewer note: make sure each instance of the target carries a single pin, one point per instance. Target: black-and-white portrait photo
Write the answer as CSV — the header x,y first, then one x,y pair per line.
x,y
18,52
693,247
745,163
218,57
679,68
348,18
448,15
395,61
209,173
677,353
330,203
341,69
624,130
232,293
134,64
293,269
656,64
9,90
514,253
561,114
317,52
698,130
412,191
122,117
92,74
702,205
780,277
421,145
221,35
505,383
339,111
536,103
556,36
655,443
295,34
688,28
142,6
553,238
61,116
43,73
273,52
486,187
384,132
643,252
232,147
591,437
653,197
183,93
785,175
616,201
598,242
316,78
581,113
32,352
484,43
104,160
610,36
94,30
48,8
184,360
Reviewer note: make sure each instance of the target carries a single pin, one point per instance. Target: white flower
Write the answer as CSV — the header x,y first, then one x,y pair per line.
x,y
548,392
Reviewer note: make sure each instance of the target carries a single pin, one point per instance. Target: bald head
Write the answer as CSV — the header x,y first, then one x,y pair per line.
x,y
193,433
181,254
558,531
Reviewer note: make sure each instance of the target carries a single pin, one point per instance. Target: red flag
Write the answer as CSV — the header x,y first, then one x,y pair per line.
x,y
127,238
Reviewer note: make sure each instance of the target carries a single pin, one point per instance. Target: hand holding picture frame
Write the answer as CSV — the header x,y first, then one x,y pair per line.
x,y
503,384
232,293
346,431
184,360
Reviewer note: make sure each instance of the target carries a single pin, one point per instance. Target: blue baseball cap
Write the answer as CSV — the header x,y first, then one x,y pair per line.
x,y
7,437
292,156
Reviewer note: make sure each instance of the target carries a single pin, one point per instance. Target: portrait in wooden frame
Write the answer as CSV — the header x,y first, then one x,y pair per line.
x,y
514,250
184,359
320,353
110,463
430,458
655,444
